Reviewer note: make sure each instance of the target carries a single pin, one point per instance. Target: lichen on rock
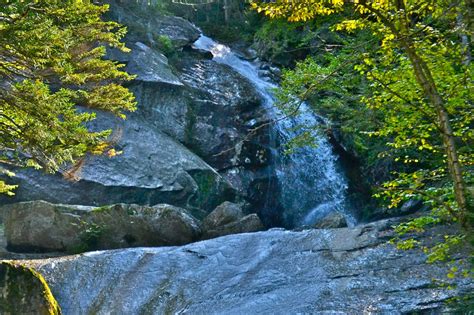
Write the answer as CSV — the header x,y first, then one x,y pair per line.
x,y
24,291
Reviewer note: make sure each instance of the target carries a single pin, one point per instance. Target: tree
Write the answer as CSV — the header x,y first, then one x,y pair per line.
x,y
410,27
418,66
51,61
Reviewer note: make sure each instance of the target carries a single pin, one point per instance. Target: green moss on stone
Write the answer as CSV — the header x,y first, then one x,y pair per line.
x,y
24,291
212,191
206,183
101,209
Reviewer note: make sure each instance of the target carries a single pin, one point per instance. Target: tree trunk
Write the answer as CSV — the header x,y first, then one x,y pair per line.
x,y
425,80
465,40
226,11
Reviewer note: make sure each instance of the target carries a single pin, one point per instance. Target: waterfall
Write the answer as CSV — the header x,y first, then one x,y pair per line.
x,y
312,184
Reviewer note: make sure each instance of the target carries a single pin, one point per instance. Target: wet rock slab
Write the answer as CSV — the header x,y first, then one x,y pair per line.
x,y
349,271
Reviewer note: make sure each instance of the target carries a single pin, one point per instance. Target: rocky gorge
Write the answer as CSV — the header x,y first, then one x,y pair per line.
x,y
184,217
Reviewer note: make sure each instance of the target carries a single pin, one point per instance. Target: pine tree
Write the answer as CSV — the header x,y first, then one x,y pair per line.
x,y
51,62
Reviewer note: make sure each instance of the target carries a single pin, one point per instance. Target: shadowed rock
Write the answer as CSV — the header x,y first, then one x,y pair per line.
x,y
226,212
228,218
331,221
247,224
42,226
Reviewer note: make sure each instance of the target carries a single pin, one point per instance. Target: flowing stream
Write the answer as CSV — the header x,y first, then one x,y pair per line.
x,y
312,184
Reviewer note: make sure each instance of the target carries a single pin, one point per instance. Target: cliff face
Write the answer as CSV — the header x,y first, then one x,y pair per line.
x,y
273,272
182,146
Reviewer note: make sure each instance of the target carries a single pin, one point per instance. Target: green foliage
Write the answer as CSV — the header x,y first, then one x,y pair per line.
x,y
282,42
241,27
419,89
4,187
51,60
165,45
442,251
89,236
277,37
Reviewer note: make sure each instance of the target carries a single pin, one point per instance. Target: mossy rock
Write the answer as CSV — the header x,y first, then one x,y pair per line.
x,y
212,191
24,291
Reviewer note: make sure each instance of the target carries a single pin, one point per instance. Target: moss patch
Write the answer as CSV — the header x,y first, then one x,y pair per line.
x,y
24,291
212,191
101,209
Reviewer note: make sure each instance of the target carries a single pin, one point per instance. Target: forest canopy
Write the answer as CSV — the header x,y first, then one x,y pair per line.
x,y
416,61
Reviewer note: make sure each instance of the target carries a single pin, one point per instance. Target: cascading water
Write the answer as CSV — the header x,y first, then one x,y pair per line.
x,y
310,180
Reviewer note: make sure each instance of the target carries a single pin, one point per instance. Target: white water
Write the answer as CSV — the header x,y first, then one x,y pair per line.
x,y
311,183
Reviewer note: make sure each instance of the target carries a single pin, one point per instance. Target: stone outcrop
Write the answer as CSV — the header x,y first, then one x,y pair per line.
x,y
42,226
332,220
152,169
228,218
347,271
150,65
183,144
146,25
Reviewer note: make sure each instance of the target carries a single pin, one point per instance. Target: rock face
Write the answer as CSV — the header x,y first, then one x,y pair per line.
x,y
348,271
223,105
42,226
152,169
150,66
228,218
147,25
332,221
182,145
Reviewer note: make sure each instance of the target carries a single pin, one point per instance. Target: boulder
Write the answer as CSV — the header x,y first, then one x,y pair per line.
x,y
149,65
226,212
180,31
42,226
146,25
332,220
24,291
127,225
335,271
153,168
228,218
247,224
